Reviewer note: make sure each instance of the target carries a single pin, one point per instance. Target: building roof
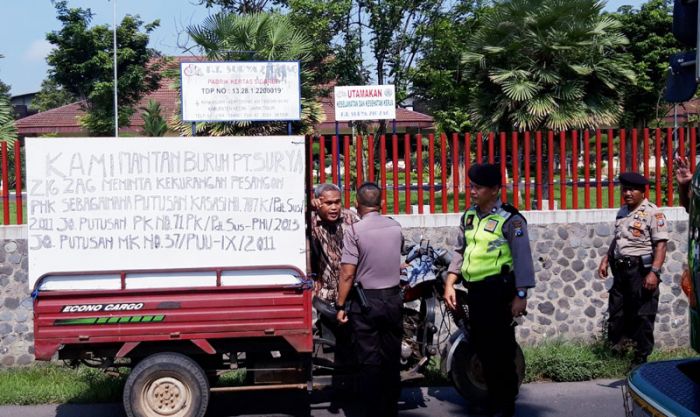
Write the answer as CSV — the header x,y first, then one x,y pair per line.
x,y
687,110
64,120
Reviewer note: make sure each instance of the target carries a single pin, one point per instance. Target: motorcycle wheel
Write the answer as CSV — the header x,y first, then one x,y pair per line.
x,y
467,373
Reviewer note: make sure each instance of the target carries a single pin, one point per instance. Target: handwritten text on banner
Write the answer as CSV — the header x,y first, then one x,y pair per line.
x,y
99,204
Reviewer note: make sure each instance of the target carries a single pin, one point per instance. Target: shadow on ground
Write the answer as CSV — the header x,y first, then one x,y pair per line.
x,y
90,410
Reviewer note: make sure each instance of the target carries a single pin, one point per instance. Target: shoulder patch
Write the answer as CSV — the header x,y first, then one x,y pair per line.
x,y
660,219
518,227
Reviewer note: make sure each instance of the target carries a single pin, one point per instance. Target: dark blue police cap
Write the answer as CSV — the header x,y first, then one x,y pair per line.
x,y
487,175
633,179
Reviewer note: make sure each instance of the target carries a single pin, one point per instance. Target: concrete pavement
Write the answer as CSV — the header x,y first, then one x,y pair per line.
x,y
599,398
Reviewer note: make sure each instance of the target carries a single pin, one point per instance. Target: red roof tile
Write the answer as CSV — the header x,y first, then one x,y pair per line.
x,y
686,109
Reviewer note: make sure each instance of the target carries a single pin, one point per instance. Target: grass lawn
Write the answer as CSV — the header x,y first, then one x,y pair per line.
x,y
44,384
13,213
552,361
399,200
568,362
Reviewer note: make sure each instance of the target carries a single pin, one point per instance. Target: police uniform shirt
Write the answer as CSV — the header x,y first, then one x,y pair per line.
x,y
374,245
515,232
637,230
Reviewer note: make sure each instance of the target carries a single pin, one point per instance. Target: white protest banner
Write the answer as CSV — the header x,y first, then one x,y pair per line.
x,y
240,91
367,102
105,204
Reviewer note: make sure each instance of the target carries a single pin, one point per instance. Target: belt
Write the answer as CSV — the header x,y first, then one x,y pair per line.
x,y
628,261
382,292
492,279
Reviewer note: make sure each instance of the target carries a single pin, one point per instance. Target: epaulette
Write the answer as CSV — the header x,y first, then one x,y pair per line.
x,y
512,211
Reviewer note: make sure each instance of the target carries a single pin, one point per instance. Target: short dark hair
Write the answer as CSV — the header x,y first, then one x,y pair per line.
x,y
369,195
322,188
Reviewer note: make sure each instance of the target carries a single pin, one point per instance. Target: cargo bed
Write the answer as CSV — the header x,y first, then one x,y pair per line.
x,y
228,306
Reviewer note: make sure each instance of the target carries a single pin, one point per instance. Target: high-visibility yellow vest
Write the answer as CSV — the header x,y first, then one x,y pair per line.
x,y
487,250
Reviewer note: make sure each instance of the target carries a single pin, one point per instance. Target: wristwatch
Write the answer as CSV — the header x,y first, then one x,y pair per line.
x,y
656,271
522,294
340,307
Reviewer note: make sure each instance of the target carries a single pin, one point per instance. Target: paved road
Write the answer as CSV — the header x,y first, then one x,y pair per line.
x,y
600,398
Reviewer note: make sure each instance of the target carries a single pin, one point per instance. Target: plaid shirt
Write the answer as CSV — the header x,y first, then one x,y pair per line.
x,y
326,251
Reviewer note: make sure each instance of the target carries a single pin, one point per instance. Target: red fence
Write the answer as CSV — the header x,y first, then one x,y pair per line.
x,y
541,170
11,168
426,174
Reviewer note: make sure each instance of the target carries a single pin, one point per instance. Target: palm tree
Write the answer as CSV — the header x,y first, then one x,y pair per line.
x,y
547,64
254,37
8,132
153,122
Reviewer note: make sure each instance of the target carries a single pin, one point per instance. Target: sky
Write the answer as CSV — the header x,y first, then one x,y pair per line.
x,y
25,24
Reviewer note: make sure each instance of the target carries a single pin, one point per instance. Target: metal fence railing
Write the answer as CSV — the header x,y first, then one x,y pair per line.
x,y
427,173
541,170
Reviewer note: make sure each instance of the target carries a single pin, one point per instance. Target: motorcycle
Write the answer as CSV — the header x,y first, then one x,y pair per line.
x,y
430,328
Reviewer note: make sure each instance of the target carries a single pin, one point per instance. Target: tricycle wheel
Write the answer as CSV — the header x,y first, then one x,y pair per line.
x,y
166,385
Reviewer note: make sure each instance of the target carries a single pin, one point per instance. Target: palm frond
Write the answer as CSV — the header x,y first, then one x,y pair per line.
x,y
581,69
8,132
542,105
519,89
500,75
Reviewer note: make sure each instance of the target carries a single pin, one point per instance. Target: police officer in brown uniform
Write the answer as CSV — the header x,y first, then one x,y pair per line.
x,y
372,257
635,257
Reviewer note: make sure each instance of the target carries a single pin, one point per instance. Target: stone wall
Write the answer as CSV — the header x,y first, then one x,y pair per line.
x,y
569,301
16,325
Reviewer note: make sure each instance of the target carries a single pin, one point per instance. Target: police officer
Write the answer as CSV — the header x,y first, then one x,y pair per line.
x,y
495,261
635,257
372,257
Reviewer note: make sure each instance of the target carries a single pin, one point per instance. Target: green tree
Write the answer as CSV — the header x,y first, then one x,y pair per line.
x,y
82,64
651,45
7,114
547,64
8,132
254,37
439,81
4,88
51,96
238,6
393,31
334,55
397,29
154,123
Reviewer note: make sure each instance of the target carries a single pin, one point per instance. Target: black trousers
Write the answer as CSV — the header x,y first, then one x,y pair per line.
x,y
632,309
493,337
344,355
377,334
